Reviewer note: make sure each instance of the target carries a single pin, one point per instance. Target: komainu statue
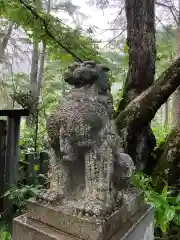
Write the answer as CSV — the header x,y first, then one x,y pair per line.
x,y
88,170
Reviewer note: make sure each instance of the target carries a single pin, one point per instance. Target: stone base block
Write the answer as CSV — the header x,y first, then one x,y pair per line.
x,y
45,221
139,227
28,229
61,217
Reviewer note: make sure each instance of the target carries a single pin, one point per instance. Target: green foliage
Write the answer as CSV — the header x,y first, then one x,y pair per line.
x,y
53,88
166,48
5,231
45,27
27,138
19,194
5,235
160,131
165,203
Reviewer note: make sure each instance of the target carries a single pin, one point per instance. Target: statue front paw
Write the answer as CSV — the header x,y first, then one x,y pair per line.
x,y
92,208
50,196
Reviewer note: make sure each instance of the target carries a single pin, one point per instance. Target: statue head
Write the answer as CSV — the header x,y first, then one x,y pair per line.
x,y
88,73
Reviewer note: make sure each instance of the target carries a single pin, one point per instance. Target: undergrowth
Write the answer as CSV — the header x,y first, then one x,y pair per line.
x,y
166,204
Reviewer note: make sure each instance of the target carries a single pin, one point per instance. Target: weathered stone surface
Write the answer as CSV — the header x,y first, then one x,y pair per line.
x,y
27,229
90,196
87,161
138,227
89,228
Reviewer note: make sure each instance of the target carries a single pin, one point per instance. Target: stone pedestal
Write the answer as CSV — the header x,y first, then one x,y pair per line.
x,y
133,221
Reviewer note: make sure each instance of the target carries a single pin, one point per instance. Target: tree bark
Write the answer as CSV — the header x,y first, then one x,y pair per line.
x,y
141,47
142,109
42,56
142,55
166,114
168,167
34,68
4,41
37,70
176,95
5,100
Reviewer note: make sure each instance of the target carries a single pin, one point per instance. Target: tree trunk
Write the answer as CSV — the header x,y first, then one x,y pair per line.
x,y
37,70
168,167
176,108
142,55
42,56
34,68
41,67
142,50
142,109
4,41
166,114
5,100
176,95
33,86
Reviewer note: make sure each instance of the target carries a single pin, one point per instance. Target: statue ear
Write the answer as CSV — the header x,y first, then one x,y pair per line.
x,y
90,64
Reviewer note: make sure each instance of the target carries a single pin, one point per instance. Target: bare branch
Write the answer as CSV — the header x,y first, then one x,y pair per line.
x,y
113,39
164,27
171,8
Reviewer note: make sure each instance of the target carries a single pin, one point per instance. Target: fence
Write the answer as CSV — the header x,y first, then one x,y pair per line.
x,y
32,166
12,169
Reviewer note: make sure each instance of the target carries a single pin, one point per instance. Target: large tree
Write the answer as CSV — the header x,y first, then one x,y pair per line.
x,y
140,16
143,98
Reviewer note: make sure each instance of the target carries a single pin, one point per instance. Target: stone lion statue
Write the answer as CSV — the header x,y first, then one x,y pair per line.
x,y
87,166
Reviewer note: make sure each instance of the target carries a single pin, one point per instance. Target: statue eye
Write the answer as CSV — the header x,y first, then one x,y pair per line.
x,y
105,68
89,66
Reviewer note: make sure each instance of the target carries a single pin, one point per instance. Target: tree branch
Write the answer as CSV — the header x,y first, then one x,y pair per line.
x,y
162,5
171,8
45,24
142,110
165,28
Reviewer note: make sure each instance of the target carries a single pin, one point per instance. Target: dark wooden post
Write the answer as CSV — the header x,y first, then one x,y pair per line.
x,y
3,134
44,162
16,147
10,165
12,155
12,152
11,168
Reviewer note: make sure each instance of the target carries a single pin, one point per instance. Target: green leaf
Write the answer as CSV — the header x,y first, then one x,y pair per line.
x,y
176,219
178,198
158,200
163,226
164,191
36,167
3,235
172,200
160,221
169,214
